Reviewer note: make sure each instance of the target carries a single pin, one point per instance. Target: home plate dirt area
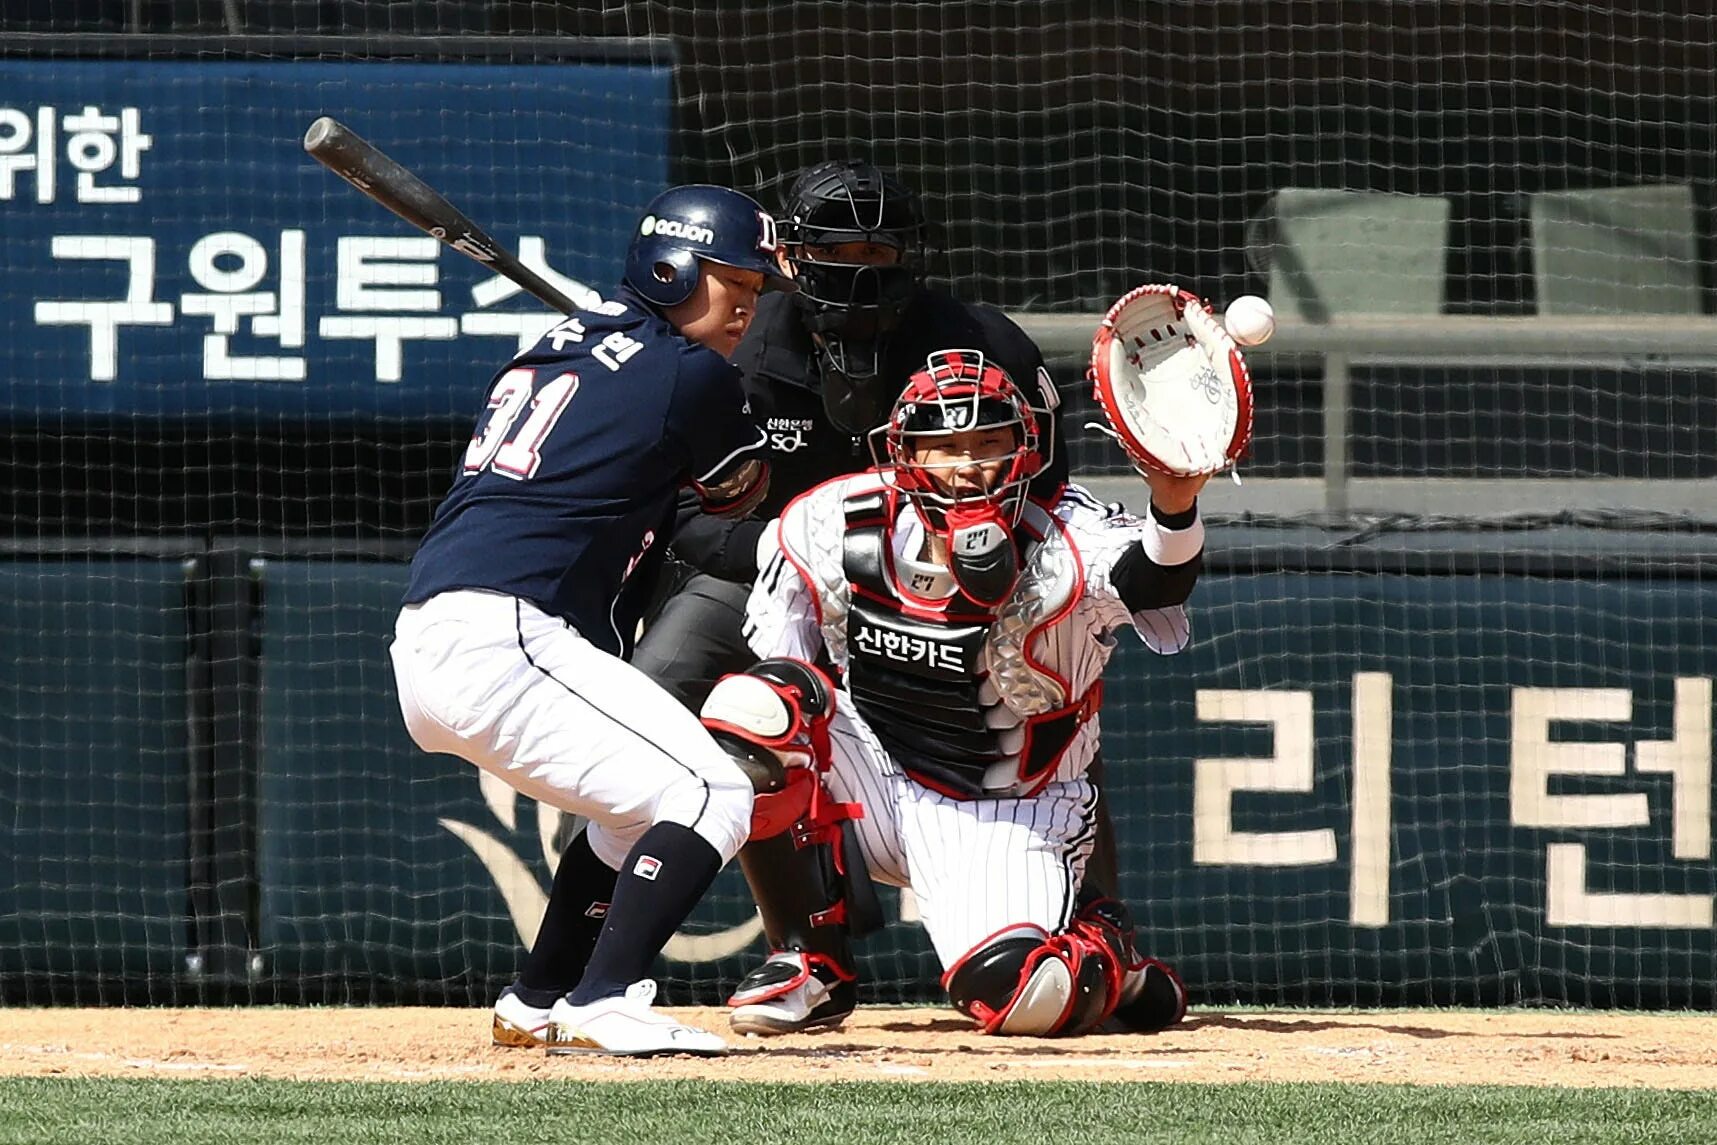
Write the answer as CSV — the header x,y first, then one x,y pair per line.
x,y
1563,1048
1412,1048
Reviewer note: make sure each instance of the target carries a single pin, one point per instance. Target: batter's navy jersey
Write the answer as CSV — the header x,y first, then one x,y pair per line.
x,y
572,473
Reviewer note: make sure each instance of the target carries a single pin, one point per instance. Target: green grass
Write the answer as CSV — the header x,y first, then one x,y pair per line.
x,y
693,1113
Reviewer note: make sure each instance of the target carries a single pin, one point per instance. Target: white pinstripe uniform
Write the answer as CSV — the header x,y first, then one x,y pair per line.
x,y
974,865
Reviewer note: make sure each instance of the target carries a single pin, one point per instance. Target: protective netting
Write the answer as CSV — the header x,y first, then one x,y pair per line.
x,y
1446,730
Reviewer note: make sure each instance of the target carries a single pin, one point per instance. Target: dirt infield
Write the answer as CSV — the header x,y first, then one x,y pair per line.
x,y
1417,1047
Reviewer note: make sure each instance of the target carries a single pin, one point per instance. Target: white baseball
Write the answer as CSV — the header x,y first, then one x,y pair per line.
x,y
1249,320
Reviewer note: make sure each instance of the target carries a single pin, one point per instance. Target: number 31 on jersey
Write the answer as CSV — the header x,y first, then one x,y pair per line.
x,y
517,455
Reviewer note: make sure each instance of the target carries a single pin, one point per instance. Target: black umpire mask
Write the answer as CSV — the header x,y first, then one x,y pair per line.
x,y
850,307
851,335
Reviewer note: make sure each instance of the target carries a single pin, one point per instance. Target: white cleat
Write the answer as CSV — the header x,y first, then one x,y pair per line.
x,y
789,994
626,1026
517,1025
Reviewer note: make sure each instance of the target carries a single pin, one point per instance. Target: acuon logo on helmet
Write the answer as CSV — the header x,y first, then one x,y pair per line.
x,y
674,228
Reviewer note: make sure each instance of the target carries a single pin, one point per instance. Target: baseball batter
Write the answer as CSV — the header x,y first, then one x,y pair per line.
x,y
525,594
968,627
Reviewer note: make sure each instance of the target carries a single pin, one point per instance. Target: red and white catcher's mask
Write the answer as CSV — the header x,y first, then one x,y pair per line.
x,y
958,391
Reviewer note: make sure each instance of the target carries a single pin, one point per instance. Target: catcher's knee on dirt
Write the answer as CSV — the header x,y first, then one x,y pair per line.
x,y
1022,980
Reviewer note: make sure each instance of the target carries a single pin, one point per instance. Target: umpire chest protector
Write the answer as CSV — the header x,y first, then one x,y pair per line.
x,y
947,685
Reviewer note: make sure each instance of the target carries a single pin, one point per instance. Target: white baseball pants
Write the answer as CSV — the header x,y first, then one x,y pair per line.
x,y
496,681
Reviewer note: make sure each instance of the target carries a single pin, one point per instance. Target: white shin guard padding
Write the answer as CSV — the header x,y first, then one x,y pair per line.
x,y
1042,1001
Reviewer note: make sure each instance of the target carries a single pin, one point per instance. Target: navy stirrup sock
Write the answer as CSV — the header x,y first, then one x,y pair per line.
x,y
577,908
662,879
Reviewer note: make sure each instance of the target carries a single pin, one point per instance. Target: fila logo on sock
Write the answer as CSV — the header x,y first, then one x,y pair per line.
x,y
647,867
596,910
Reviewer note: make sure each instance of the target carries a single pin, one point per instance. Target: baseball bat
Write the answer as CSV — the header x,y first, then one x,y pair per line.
x,y
357,161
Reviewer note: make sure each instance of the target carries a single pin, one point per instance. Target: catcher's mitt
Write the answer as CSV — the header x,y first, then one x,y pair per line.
x,y
1172,383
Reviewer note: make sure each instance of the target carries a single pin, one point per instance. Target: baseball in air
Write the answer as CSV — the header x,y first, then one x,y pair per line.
x,y
1250,320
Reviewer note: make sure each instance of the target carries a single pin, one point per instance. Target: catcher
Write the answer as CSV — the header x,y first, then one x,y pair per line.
x,y
968,627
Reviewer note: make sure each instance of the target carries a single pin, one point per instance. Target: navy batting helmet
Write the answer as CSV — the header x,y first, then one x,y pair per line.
x,y
685,224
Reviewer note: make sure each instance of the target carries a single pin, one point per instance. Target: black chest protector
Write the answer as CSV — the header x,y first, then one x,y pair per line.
x,y
916,681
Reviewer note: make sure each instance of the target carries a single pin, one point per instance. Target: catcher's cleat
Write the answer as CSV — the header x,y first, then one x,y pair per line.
x,y
1156,999
626,1026
790,993
518,1025
1153,997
